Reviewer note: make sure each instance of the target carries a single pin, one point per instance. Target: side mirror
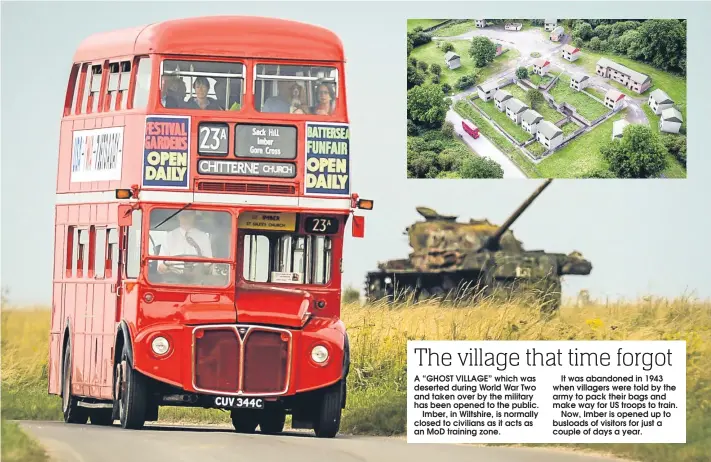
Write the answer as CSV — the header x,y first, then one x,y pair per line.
x,y
125,215
358,226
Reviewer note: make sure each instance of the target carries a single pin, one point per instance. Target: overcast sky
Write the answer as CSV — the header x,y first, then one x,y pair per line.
x,y
643,237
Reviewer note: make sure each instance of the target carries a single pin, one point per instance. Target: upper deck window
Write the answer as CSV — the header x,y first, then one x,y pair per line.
x,y
295,89
207,85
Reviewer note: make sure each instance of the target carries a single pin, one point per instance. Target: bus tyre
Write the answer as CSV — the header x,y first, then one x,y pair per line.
x,y
272,420
131,393
328,416
245,420
70,405
101,417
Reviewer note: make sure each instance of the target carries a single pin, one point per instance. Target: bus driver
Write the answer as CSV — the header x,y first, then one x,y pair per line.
x,y
185,240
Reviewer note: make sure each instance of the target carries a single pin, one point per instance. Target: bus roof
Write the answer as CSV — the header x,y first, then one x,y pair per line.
x,y
228,36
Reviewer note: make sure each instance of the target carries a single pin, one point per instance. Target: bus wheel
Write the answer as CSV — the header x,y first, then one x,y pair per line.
x,y
245,420
70,405
328,416
131,393
271,420
101,417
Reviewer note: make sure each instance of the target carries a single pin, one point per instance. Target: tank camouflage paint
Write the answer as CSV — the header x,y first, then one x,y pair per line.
x,y
455,260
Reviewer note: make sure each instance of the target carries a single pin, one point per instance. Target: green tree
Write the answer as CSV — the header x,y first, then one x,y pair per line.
x,y
482,51
676,145
423,66
413,61
411,128
594,43
449,176
480,167
414,77
522,73
426,105
626,42
465,81
448,129
446,88
435,79
535,98
583,30
621,27
435,68
420,164
662,43
447,46
410,46
599,173
639,154
603,31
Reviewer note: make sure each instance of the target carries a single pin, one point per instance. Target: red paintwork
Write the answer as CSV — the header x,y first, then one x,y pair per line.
x,y
86,311
472,129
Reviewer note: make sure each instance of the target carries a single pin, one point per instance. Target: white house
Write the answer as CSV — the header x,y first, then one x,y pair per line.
x,y
530,120
480,22
671,120
578,81
500,99
571,53
451,59
541,66
550,24
549,135
618,128
486,90
515,109
613,99
557,34
659,101
513,26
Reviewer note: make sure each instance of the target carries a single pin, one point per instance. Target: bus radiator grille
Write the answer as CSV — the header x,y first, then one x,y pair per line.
x,y
217,354
266,359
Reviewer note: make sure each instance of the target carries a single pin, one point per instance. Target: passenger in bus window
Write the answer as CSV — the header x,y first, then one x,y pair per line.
x,y
201,100
185,240
281,101
325,100
297,99
171,95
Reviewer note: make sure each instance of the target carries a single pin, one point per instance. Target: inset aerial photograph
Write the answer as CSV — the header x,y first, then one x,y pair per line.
x,y
546,98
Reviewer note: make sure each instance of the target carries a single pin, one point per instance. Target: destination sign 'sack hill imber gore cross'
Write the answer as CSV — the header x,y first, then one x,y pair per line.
x,y
201,229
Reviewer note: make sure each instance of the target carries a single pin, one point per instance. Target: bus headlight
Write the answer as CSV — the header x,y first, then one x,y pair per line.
x,y
160,345
319,354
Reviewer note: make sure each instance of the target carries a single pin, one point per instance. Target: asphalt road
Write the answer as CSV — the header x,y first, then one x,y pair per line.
x,y
86,443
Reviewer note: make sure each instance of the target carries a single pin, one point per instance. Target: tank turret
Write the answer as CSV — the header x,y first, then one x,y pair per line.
x,y
448,254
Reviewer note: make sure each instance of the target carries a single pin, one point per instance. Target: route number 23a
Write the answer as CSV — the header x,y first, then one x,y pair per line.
x,y
211,138
320,225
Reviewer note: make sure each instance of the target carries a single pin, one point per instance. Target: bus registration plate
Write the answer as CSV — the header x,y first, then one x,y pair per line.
x,y
235,402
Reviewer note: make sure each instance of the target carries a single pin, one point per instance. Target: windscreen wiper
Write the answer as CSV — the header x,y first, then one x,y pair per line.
x,y
183,208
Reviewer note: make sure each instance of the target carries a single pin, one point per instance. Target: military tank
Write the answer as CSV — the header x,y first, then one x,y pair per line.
x,y
463,261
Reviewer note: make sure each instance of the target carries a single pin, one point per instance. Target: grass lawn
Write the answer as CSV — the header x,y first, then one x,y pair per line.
x,y
537,149
465,110
543,109
453,30
673,85
569,127
504,122
516,92
595,92
538,80
429,53
18,447
424,23
581,155
586,106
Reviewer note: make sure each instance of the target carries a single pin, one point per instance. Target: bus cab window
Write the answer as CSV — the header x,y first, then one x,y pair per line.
x,y
287,258
295,89
202,85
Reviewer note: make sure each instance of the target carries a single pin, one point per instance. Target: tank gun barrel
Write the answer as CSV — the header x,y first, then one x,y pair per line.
x,y
493,242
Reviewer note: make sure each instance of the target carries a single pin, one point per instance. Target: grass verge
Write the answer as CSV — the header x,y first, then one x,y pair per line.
x,y
17,446
504,122
452,30
585,105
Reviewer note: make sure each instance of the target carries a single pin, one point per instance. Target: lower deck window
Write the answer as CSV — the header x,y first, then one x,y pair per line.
x,y
287,258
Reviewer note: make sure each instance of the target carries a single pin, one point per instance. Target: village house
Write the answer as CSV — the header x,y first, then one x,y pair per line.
x,y
659,101
515,109
579,81
500,99
530,120
618,128
671,120
541,66
635,81
486,90
613,99
549,135
571,53
550,24
513,26
480,22
451,59
557,34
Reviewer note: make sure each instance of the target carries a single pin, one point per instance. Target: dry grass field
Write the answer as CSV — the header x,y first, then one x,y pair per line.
x,y
379,335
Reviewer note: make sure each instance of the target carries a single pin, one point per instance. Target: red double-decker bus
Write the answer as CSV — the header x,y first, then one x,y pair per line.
x,y
203,196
